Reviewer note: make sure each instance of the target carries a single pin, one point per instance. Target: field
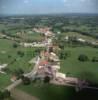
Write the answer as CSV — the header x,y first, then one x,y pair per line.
x,y
18,57
4,81
72,67
7,49
78,35
49,92
8,55
85,70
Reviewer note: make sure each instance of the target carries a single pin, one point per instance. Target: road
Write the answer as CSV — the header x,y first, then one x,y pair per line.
x,y
32,74
72,85
13,85
29,75
21,95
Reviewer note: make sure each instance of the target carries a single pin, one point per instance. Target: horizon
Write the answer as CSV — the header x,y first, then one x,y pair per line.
x,y
39,7
51,14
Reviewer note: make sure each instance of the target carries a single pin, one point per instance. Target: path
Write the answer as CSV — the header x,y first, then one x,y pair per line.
x,y
31,74
21,95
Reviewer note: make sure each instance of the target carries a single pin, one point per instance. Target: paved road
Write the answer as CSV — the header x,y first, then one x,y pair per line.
x,y
32,74
29,75
13,85
72,85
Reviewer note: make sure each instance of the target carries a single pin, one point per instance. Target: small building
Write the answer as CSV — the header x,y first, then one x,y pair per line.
x,y
3,66
48,34
55,67
66,38
81,40
13,79
43,63
60,75
72,80
54,57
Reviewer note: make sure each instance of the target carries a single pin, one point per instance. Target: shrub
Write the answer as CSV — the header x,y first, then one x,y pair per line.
x,y
15,45
83,58
20,53
47,79
95,59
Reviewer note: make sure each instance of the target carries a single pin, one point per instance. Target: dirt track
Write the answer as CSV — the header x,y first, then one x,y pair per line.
x,y
21,95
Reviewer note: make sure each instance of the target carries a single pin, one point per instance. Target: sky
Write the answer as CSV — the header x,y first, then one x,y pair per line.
x,y
19,7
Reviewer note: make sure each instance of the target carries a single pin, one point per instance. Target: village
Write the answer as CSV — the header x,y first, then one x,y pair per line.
x,y
46,31
47,66
48,50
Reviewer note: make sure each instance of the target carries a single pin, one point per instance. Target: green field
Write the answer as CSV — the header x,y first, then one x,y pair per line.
x,y
85,70
72,67
33,36
7,47
7,56
49,92
4,81
78,35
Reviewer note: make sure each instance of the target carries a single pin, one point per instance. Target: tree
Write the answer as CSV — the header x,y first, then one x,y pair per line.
x,y
19,72
38,50
3,31
63,54
1,96
46,79
20,53
95,59
15,45
83,58
9,56
4,94
26,80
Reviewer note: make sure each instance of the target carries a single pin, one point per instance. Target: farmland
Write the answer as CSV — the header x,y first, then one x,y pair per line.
x,y
17,57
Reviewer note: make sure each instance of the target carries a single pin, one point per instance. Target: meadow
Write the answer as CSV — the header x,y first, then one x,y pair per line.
x,y
71,67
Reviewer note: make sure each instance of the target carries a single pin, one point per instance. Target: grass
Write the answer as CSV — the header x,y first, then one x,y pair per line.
x,y
85,70
4,81
7,47
49,92
32,36
76,34
6,50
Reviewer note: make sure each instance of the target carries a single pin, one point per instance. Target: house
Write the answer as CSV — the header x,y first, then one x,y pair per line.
x,y
44,70
41,30
13,79
43,63
34,44
94,43
54,57
66,38
72,80
55,67
48,33
60,75
81,40
1,67
53,54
